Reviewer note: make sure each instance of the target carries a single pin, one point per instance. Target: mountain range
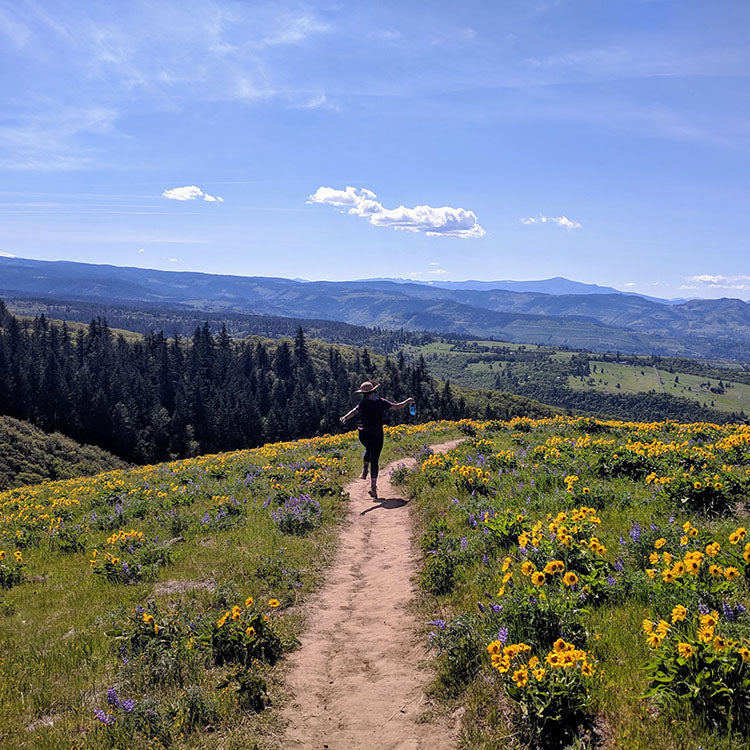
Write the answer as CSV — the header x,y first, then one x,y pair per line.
x,y
602,320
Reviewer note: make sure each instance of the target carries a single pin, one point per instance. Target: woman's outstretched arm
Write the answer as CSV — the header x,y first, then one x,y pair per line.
x,y
402,404
348,415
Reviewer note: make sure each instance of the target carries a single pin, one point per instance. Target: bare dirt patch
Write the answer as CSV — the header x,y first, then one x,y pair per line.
x,y
357,680
169,588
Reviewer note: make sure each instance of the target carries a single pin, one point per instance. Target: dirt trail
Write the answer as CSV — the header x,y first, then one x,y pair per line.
x,y
356,681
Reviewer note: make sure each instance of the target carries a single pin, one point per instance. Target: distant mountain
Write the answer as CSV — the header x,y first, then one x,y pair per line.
x,y
555,286
601,321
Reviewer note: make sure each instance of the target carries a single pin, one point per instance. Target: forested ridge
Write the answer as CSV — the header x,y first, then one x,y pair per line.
x,y
179,320
160,398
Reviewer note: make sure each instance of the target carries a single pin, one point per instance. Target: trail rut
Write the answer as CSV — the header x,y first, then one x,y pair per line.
x,y
356,681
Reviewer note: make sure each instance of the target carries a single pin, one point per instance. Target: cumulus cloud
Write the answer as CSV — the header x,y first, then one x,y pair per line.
x,y
190,193
717,281
561,221
441,221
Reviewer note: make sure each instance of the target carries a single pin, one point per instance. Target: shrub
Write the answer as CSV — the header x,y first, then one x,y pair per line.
x,y
12,569
249,687
457,644
693,665
298,515
710,495
551,692
243,635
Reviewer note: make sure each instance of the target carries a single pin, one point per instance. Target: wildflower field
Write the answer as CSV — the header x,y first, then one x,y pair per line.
x,y
151,608
586,582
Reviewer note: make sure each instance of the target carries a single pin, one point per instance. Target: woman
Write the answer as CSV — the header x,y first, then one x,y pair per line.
x,y
371,410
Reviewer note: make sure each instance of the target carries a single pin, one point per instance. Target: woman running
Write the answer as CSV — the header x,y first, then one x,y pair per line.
x,y
370,410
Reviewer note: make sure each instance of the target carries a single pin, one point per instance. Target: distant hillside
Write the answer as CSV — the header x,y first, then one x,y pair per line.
x,y
600,322
173,319
623,387
28,456
557,285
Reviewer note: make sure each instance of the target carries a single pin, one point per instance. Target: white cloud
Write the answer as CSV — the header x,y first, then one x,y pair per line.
x,y
561,221
717,281
6,255
441,221
142,250
189,193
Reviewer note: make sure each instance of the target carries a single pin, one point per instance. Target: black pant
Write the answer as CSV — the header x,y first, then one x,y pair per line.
x,y
373,445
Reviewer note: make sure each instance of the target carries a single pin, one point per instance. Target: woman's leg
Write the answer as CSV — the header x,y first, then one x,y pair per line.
x,y
376,445
366,456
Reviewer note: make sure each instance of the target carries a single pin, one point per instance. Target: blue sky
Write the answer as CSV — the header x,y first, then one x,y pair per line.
x,y
604,140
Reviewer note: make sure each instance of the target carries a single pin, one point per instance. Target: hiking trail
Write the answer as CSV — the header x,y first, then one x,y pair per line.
x,y
356,682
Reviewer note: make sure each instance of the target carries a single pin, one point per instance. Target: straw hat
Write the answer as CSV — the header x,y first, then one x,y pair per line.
x,y
367,387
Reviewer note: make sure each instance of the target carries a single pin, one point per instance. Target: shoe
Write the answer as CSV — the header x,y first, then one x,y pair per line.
x,y
364,472
373,493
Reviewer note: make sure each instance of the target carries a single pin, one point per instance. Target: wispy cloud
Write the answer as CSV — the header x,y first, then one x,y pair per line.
x,y
3,254
443,221
50,138
561,221
190,193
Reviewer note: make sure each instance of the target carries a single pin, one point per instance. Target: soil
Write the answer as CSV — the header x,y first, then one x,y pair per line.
x,y
358,679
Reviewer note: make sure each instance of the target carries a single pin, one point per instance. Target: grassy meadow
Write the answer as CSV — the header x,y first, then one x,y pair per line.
x,y
151,607
612,377
586,583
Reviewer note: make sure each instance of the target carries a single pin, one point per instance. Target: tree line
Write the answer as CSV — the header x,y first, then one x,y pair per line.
x,y
160,398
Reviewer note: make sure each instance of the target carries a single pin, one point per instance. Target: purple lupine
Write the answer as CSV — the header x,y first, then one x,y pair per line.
x,y
485,559
481,608
740,609
728,611
128,705
622,541
635,532
496,608
611,581
502,635
464,542
619,565
112,697
105,718
703,609
439,624
472,521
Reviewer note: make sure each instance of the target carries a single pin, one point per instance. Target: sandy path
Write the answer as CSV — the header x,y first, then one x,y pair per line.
x,y
356,681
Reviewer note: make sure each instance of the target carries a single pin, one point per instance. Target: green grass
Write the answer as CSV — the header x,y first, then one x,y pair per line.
x,y
634,379
58,651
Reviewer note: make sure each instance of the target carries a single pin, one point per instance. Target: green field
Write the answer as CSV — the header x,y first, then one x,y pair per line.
x,y
616,378
585,382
